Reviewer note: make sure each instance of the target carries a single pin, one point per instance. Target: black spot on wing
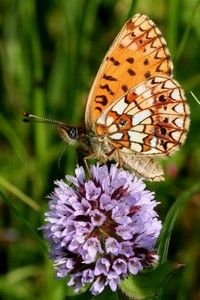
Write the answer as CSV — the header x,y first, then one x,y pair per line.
x,y
124,88
98,108
107,88
109,77
166,120
146,62
162,98
102,99
163,130
131,72
147,74
114,61
130,60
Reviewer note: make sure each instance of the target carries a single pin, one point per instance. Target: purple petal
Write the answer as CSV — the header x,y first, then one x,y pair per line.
x,y
112,246
97,217
125,232
98,286
127,248
134,265
88,276
102,266
90,249
76,282
92,192
106,203
80,174
113,283
120,266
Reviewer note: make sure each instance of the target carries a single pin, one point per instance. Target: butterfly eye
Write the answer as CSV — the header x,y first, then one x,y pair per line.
x,y
73,133
69,134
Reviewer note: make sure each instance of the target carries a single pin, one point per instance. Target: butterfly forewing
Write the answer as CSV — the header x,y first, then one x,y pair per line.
x,y
138,53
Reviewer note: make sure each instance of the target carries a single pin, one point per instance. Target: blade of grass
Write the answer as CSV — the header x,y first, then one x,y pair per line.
x,y
170,220
132,9
8,130
173,16
24,221
18,193
184,39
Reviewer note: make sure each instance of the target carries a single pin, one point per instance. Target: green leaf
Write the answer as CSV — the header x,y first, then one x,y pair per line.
x,y
107,294
147,285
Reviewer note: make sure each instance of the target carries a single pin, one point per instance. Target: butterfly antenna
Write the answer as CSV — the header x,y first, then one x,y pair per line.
x,y
33,118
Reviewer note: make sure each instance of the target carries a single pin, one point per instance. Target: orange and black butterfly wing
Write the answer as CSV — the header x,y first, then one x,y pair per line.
x,y
138,53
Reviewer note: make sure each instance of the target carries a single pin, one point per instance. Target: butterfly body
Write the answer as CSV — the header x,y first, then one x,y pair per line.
x,y
136,112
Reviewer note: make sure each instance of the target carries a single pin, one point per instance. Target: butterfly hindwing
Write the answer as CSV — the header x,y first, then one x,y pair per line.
x,y
152,118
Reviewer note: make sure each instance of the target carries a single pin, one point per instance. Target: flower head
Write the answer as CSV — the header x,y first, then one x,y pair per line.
x,y
101,229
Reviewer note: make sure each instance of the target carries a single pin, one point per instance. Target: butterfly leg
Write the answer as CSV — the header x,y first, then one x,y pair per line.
x,y
114,154
118,159
86,159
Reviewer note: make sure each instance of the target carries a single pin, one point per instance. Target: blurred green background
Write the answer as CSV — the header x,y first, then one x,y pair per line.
x,y
50,52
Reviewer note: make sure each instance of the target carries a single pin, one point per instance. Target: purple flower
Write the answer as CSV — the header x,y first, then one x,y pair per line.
x,y
101,229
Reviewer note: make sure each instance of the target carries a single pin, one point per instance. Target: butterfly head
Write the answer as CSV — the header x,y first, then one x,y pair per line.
x,y
71,135
76,136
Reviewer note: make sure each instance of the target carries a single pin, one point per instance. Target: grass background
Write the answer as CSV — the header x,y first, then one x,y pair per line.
x,y
50,52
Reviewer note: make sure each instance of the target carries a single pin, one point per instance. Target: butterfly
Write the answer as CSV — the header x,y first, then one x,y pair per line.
x,y
136,113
